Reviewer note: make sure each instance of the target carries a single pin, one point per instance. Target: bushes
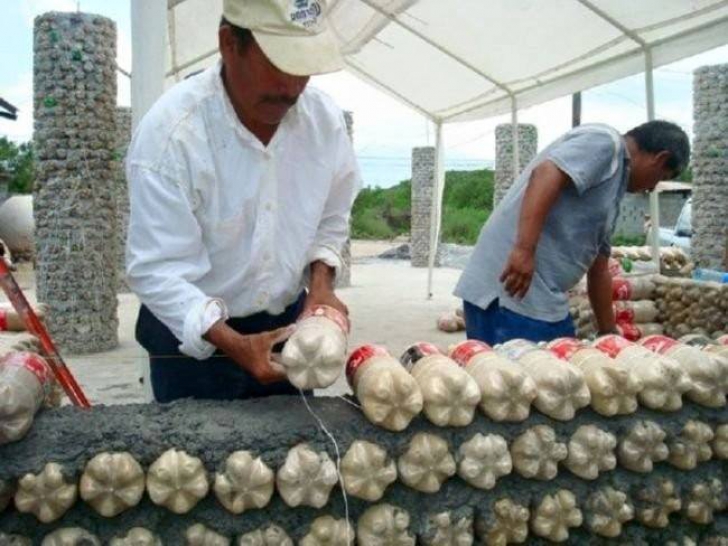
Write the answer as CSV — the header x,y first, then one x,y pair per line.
x,y
386,213
462,226
620,240
16,163
370,224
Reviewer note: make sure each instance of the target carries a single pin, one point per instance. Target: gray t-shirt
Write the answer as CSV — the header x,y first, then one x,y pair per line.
x,y
577,229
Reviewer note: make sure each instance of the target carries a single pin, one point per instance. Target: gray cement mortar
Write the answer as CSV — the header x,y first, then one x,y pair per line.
x,y
270,427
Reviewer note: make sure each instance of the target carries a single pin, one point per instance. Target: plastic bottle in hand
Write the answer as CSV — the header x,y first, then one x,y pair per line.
x,y
315,354
450,395
390,397
25,380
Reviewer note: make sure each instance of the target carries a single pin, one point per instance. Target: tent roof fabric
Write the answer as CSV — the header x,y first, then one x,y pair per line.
x,y
469,59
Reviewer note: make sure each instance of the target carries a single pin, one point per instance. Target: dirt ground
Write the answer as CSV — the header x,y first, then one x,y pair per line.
x,y
387,301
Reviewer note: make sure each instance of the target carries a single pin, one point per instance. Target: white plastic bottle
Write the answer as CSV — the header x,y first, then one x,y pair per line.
x,y
562,389
708,372
315,354
613,387
389,395
506,390
664,381
449,394
25,381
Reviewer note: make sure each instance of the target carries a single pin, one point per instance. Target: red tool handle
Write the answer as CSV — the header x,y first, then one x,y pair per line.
x,y
35,327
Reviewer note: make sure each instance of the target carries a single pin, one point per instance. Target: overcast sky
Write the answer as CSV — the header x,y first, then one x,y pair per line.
x,y
383,127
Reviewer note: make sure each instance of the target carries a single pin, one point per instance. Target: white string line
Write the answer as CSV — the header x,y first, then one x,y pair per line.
x,y
338,465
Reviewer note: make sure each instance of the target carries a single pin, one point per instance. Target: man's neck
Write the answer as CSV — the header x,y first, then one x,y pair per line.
x,y
262,131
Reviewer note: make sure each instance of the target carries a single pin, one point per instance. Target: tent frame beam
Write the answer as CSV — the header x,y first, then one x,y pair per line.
x,y
650,95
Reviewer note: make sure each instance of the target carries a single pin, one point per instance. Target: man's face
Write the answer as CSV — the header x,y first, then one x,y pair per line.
x,y
647,170
256,87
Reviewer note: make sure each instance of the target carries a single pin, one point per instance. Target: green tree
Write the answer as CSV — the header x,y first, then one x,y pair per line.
x,y
16,165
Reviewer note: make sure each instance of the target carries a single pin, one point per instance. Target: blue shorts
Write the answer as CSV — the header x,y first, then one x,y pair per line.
x,y
175,375
497,324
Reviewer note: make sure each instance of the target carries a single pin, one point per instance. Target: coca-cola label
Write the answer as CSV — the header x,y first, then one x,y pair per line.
x,y
612,344
629,331
359,357
3,320
658,344
621,290
465,351
32,362
565,347
624,313
330,313
415,353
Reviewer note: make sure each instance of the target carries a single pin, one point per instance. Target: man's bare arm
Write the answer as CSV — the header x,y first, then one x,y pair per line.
x,y
599,287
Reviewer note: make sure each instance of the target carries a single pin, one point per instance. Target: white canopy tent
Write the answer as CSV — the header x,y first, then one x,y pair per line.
x,y
457,60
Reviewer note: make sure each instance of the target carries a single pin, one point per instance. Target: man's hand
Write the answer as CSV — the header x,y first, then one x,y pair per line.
x,y
252,352
518,272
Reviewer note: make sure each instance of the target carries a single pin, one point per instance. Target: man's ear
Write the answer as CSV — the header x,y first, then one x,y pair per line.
x,y
226,41
661,158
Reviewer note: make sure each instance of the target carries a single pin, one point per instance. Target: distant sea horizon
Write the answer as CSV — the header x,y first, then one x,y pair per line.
x,y
385,172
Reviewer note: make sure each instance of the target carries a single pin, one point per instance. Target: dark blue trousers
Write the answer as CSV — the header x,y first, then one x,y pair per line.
x,y
497,324
176,375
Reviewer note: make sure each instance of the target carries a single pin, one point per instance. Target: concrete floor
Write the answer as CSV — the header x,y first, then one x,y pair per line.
x,y
387,302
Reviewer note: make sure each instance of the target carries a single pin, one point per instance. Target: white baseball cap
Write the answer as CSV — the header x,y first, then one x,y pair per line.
x,y
293,34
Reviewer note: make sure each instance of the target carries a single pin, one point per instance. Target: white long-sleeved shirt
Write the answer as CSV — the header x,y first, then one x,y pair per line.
x,y
216,216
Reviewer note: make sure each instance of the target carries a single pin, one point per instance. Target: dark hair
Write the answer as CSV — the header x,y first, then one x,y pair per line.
x,y
243,35
658,136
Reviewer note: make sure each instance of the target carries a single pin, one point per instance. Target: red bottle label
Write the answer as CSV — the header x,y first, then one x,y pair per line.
x,y
621,290
330,313
629,331
3,320
32,362
612,345
565,347
658,344
359,357
463,352
624,314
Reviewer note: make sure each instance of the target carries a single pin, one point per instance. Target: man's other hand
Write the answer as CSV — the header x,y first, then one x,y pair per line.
x,y
252,352
518,272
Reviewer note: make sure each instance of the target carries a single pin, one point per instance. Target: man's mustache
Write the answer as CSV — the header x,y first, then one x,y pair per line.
x,y
279,99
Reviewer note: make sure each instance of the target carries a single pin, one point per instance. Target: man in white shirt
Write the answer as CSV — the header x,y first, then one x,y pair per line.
x,y
241,183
